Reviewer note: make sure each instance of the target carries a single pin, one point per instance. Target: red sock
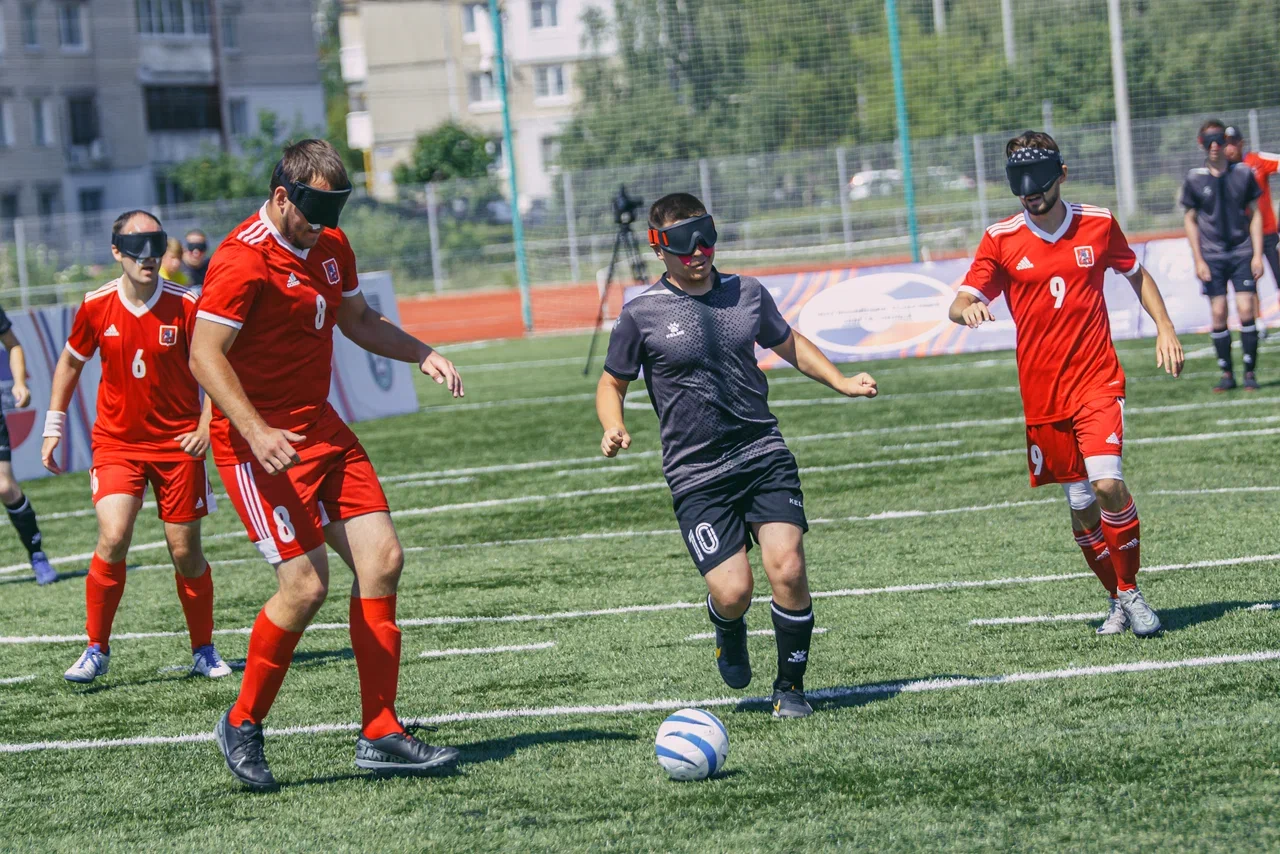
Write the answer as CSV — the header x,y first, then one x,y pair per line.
x,y
196,595
270,653
1098,556
102,591
1123,538
376,642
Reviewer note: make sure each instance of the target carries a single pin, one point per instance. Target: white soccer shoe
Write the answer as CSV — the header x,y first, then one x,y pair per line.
x,y
1142,619
93,662
206,662
1117,621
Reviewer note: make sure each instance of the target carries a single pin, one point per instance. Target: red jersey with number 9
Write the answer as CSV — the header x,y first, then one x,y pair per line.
x,y
1053,284
284,302
147,396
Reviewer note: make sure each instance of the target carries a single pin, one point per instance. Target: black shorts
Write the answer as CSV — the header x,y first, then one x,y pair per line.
x,y
1232,269
715,518
6,453
1270,245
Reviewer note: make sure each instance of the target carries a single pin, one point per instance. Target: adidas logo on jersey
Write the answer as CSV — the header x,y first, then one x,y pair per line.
x,y
111,332
1024,264
199,503
293,281
1113,439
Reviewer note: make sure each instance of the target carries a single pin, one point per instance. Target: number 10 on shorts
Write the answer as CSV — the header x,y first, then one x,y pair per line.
x,y
703,541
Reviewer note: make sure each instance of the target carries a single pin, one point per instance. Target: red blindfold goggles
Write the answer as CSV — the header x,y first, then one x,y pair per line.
x,y
684,237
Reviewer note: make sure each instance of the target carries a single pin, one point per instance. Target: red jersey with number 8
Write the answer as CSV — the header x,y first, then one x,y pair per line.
x,y
147,396
284,302
1053,284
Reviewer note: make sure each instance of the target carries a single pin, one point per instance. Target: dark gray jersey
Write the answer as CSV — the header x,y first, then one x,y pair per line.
x,y
1223,205
699,362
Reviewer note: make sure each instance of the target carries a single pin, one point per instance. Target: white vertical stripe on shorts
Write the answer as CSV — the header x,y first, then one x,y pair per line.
x,y
253,507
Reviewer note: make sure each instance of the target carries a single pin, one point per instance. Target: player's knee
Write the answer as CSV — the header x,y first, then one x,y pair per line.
x,y
113,543
1111,492
308,594
188,559
788,571
10,491
732,596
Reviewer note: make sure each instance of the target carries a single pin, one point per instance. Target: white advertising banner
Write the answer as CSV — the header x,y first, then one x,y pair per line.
x,y
366,386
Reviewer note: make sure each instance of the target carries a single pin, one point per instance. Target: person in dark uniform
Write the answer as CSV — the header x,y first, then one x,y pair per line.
x,y
21,513
195,258
1224,226
693,334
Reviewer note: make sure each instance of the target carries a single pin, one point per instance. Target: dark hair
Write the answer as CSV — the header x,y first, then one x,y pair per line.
x,y
123,219
196,231
308,161
674,207
1030,139
1212,123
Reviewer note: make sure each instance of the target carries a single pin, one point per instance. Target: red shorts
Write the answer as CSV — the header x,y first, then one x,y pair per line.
x,y
181,486
1056,451
285,514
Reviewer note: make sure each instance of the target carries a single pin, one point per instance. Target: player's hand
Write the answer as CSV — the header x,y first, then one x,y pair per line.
x,y
617,439
195,443
1169,352
46,454
1255,267
1202,271
21,395
859,385
976,315
443,372
274,449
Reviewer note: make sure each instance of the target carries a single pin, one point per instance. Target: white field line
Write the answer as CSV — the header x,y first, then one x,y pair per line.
x,y
595,470
1076,618
178,668
1261,419
911,446
81,558
520,366
1224,490
443,481
671,606
486,650
758,633
510,467
1265,606
883,689
16,680
507,403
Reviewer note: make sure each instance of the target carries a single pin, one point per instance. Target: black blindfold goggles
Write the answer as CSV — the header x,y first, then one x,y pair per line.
x,y
144,244
320,207
1033,170
684,237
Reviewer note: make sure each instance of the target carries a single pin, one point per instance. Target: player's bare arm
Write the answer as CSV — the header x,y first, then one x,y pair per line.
x,y
610,393
814,364
272,447
196,442
66,375
18,367
1168,348
967,310
372,331
1193,237
1255,238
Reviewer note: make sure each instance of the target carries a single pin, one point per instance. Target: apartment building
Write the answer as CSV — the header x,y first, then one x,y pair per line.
x,y
411,65
98,98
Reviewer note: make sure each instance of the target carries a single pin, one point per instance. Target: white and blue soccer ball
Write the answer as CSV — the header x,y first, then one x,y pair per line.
x,y
692,745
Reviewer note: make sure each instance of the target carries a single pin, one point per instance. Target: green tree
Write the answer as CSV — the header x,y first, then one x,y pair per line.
x,y
447,152
214,174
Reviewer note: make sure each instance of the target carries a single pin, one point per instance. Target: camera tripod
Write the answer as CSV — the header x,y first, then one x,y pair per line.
x,y
623,242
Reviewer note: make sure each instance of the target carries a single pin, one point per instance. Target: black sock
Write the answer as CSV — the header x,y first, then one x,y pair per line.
x,y
23,517
1222,343
1249,344
728,625
794,630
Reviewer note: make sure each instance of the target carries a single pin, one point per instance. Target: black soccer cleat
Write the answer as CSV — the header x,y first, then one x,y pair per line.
x,y
732,656
242,749
790,703
401,753
1227,383
1251,382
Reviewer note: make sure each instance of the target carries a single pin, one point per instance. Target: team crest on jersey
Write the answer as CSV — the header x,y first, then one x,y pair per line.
x,y
1084,256
168,335
331,271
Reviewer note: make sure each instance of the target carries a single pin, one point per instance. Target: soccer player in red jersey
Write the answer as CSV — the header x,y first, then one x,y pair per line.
x,y
1264,165
1049,262
297,475
150,428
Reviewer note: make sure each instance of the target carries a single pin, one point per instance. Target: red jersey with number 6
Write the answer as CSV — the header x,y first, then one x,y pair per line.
x,y
284,302
1053,284
147,396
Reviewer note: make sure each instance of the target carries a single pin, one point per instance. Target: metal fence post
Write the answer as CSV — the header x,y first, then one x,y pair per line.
x,y
980,176
846,215
1255,136
433,228
24,276
571,221
1118,168
704,182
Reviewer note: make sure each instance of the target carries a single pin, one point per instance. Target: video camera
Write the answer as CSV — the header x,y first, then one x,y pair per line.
x,y
625,207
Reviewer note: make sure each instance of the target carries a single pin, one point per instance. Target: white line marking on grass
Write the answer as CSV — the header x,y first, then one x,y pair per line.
x,y
509,402
1074,618
520,366
176,668
509,467
1261,419
526,499
884,689
595,470
137,547
444,481
486,650
16,680
763,633
910,446
1265,606
1225,490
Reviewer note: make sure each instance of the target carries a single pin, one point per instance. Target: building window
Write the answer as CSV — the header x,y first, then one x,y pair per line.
x,y
238,116
173,17
83,113
543,13
480,88
182,108
6,123
2,38
550,147
548,81
471,13
199,17
91,206
47,201
8,205
230,29
43,122
71,26
30,26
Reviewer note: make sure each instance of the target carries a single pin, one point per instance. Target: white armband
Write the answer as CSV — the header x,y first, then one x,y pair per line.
x,y
53,421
